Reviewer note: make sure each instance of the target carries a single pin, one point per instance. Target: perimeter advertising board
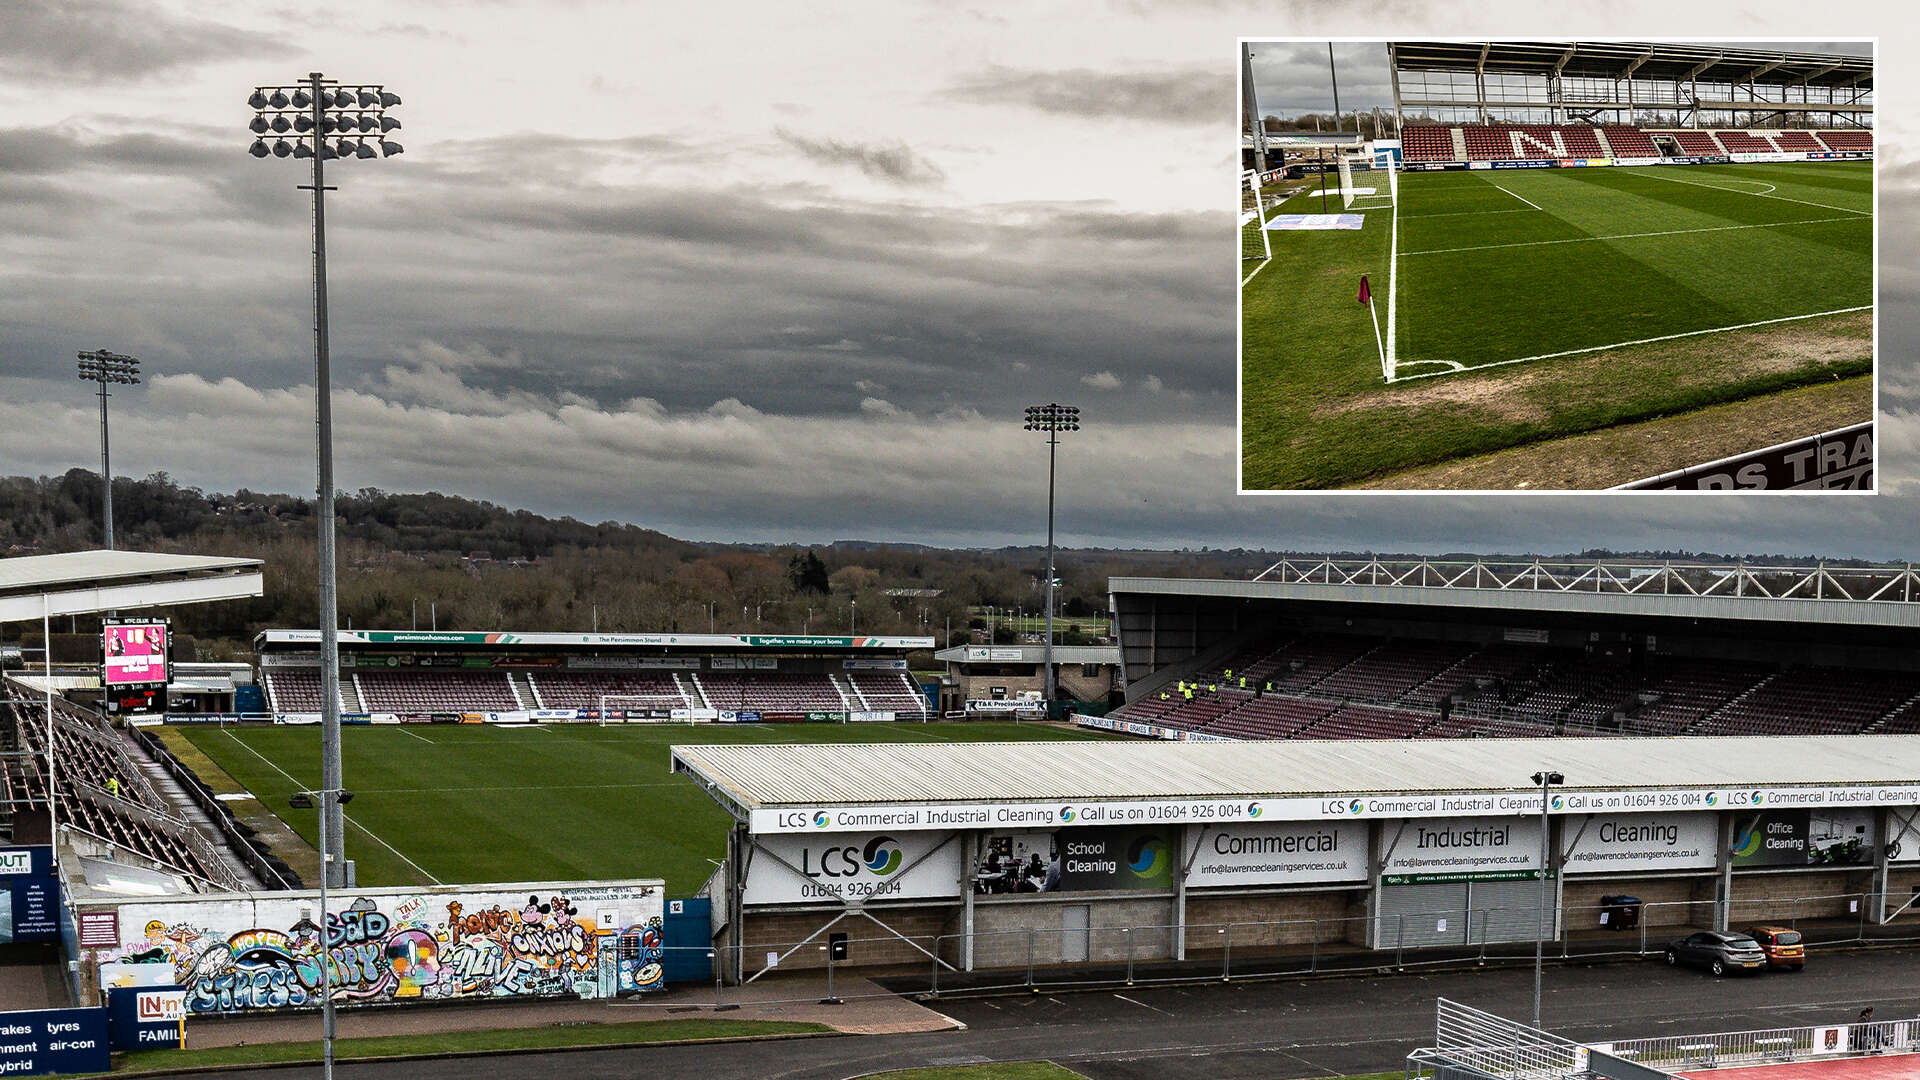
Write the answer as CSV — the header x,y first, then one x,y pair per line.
x,y
1610,843
1076,860
1279,853
1462,849
1834,837
29,895
857,867
53,1042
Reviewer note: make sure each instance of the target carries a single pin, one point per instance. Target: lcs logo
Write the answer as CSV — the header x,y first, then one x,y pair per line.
x,y
1066,813
1713,798
1253,809
1558,802
820,819
1146,858
881,857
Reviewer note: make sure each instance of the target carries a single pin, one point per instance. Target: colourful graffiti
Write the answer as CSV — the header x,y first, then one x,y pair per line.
x,y
405,953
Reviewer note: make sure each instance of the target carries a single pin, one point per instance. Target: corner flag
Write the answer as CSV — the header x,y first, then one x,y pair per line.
x,y
1366,298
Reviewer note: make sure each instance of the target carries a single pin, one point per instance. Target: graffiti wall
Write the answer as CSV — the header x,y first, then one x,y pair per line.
x,y
252,951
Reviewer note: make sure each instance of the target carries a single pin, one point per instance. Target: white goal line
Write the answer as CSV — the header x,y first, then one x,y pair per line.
x,y
1755,194
1620,344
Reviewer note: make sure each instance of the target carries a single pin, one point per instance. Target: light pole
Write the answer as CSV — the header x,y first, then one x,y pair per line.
x,y
322,120
1546,780
103,367
1052,419
853,611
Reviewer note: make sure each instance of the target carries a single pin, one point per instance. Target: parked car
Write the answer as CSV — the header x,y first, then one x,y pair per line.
x,y
1783,945
1719,951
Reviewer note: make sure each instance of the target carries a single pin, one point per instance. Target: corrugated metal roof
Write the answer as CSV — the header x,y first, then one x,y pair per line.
x,y
81,568
892,773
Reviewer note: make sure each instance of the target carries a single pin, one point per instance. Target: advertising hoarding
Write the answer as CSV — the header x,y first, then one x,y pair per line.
x,y
1828,837
1279,853
853,866
1462,849
1607,843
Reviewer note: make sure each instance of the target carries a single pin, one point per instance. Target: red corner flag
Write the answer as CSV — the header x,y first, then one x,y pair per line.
x,y
1366,294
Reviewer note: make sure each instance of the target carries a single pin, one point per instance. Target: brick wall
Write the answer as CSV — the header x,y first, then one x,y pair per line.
x,y
1670,902
869,944
1285,919
1758,897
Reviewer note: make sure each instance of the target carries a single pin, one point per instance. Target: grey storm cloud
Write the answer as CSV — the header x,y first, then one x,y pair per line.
x,y
109,40
1183,96
895,163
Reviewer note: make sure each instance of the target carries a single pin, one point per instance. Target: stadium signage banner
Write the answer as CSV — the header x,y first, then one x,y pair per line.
x,y
1152,731
872,663
29,895
1279,853
1837,837
1076,860
1434,166
1840,459
983,652
1604,843
1462,849
1537,164
147,1018
263,951
986,815
853,867
54,1042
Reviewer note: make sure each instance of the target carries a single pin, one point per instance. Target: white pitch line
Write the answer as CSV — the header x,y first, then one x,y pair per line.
x,y
1640,341
1393,293
1628,236
1522,198
1755,194
1256,271
1467,213
422,738
344,816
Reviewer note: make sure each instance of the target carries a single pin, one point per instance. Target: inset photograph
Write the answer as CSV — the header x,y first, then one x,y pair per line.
x,y
1557,265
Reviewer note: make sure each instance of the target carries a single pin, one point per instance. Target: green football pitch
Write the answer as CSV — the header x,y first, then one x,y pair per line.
x,y
447,804
1529,304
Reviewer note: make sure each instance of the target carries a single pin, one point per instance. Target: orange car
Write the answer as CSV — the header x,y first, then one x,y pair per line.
x,y
1782,944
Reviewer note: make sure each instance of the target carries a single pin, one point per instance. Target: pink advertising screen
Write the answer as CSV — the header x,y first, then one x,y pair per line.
x,y
135,653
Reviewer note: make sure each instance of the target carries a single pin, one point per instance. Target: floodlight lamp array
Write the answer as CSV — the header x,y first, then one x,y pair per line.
x,y
101,366
1053,417
348,122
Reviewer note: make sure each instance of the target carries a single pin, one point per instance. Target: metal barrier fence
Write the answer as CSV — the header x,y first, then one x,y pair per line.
x,y
1054,957
1772,1045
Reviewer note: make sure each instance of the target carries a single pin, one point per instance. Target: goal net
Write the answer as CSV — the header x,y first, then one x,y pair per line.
x,y
1254,244
1371,183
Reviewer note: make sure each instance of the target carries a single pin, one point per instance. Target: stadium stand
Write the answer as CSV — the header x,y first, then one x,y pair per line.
x,y
1694,142
1628,141
1426,142
1745,142
292,690
889,691
771,693
584,690
450,691
1341,686
1797,141
91,764
1846,140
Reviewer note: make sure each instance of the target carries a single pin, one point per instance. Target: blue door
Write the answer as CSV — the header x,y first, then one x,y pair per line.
x,y
688,940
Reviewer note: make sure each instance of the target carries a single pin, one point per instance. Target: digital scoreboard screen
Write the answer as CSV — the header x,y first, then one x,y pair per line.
x,y
134,654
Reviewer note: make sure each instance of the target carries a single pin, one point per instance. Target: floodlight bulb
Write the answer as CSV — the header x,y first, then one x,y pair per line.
x,y
281,149
388,123
388,101
281,124
259,125
362,150
303,123
368,99
301,100
259,148
302,150
343,99
391,149
278,99
257,101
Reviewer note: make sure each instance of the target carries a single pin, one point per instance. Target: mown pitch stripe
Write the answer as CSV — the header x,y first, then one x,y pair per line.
x,y
1624,344
344,816
1629,236
1755,194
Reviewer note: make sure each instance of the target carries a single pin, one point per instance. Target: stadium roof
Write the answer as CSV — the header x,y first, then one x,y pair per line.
x,y
1877,596
1644,60
282,638
90,582
1300,779
1030,654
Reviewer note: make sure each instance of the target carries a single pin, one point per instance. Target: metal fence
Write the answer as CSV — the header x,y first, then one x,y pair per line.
x,y
1143,953
1771,1045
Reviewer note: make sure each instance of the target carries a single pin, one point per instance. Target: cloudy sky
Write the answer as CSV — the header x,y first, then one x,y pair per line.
x,y
781,272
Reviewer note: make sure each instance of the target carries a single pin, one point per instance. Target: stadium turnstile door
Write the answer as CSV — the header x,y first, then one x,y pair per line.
x,y
687,938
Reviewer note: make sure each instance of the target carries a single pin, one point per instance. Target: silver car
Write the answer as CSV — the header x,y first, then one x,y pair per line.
x,y
1719,951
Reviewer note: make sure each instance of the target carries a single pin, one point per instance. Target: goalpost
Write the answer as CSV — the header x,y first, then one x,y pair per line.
x,y
1373,183
1253,219
651,699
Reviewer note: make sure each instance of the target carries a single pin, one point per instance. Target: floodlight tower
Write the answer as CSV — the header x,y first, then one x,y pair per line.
x,y
1053,419
322,120
103,367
